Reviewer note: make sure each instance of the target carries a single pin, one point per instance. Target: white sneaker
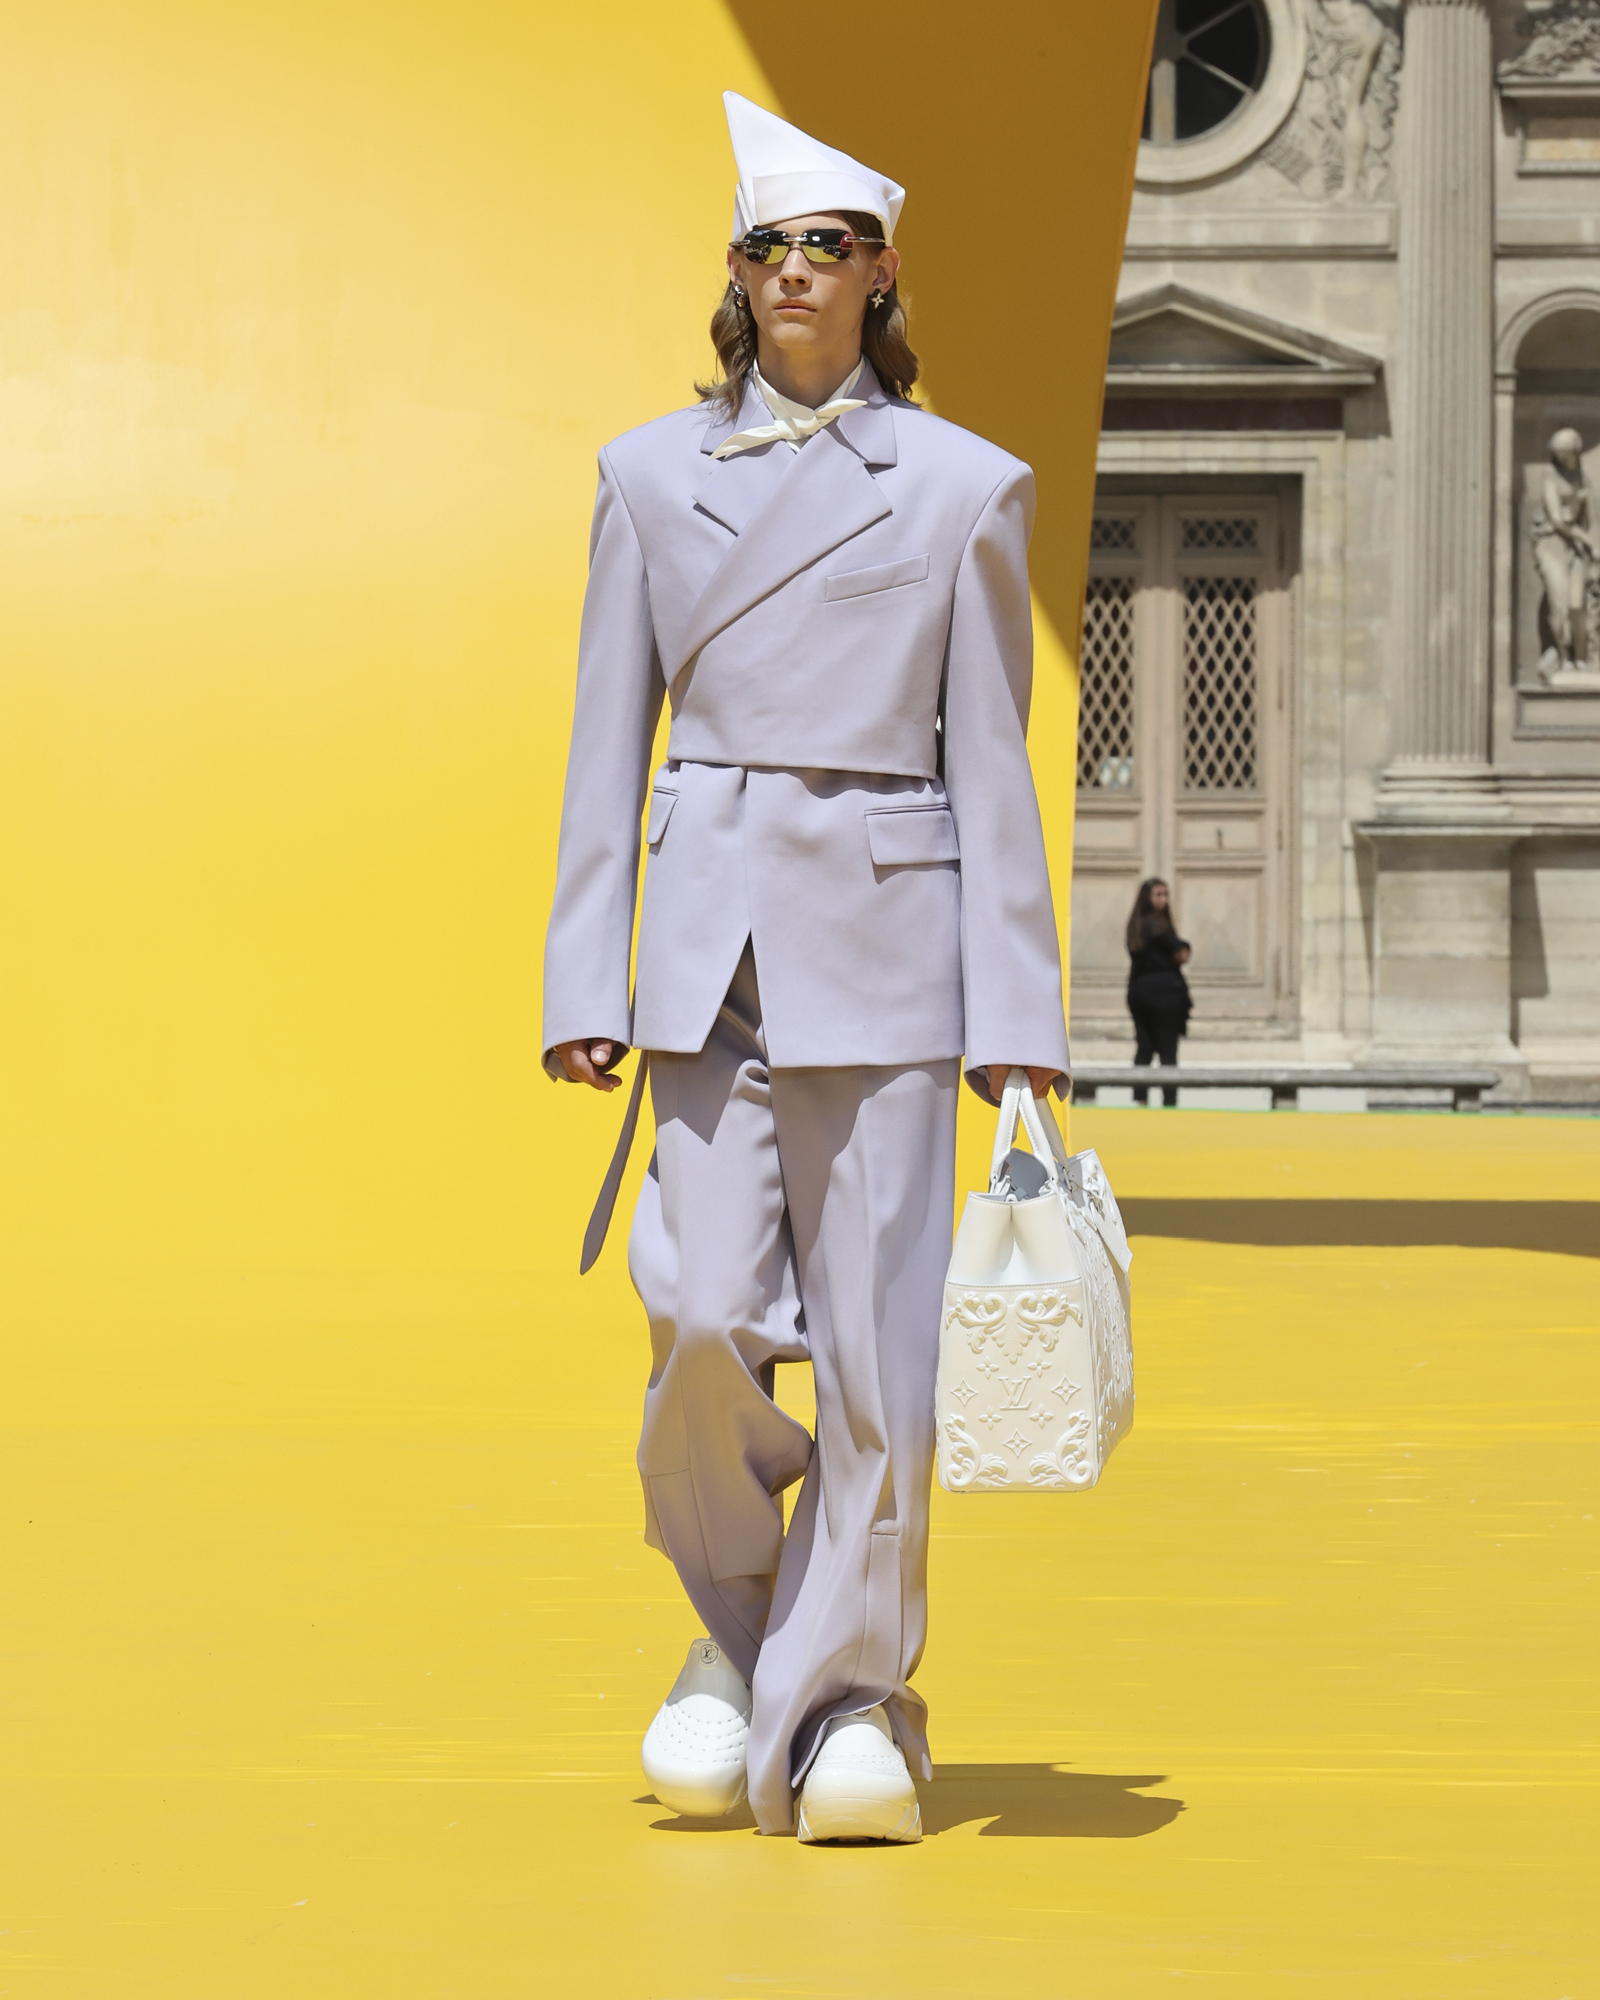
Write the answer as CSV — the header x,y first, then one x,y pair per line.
x,y
694,1751
859,1788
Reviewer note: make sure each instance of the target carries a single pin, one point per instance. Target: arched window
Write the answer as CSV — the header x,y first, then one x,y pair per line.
x,y
1210,60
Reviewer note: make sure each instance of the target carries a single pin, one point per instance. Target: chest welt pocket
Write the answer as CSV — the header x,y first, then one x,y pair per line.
x,y
661,804
863,582
911,836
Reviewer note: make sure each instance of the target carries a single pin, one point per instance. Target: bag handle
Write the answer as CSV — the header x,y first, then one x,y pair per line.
x,y
1044,1135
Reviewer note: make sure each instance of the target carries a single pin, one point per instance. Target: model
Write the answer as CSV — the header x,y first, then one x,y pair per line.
x,y
845,897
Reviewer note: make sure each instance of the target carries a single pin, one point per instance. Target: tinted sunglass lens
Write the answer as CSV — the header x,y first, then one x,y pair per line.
x,y
821,246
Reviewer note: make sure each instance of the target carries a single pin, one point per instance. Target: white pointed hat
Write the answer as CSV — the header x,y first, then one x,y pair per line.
x,y
784,171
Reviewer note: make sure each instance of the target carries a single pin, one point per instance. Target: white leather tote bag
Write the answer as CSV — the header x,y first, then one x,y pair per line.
x,y
1035,1383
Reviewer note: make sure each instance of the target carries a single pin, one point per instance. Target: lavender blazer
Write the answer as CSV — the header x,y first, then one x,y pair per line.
x,y
846,640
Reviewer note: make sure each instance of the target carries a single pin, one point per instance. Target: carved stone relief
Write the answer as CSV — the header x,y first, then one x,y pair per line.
x,y
1563,43
1337,144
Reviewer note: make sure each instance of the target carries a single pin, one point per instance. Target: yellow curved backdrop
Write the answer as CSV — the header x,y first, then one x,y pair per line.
x,y
311,321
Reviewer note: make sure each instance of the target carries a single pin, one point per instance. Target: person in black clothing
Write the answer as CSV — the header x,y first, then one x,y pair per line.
x,y
1158,993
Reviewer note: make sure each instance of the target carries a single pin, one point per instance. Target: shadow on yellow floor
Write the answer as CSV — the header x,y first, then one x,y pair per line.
x,y
1042,1802
1566,1227
1010,1801
327,1636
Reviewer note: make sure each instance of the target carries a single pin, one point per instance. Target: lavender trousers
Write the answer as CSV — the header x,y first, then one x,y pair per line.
x,y
796,1215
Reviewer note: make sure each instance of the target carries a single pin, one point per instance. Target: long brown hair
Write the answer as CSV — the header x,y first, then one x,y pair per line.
x,y
883,338
1147,921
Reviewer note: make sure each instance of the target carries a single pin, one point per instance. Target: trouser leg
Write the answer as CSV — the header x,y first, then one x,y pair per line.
x,y
869,1170
1144,1050
1167,1028
1158,1031
712,1259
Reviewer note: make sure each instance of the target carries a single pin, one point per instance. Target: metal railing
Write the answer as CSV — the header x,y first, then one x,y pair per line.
x,y
1416,1084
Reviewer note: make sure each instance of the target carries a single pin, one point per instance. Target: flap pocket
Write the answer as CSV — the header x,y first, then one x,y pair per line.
x,y
661,804
887,576
911,836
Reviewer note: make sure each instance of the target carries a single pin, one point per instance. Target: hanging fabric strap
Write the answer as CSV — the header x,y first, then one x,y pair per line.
x,y
600,1221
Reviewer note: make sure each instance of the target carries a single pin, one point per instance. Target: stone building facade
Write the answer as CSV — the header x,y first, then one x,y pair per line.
x,y
1342,641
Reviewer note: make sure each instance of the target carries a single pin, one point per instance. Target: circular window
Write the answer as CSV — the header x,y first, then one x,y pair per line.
x,y
1224,75
1210,57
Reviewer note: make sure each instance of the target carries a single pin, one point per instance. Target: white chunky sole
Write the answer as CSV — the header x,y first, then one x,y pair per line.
x,y
694,1751
859,1787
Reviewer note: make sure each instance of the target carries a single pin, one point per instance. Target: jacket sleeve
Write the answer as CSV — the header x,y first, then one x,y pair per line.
x,y
620,689
1010,958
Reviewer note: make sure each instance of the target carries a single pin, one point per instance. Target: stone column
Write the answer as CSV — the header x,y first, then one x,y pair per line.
x,y
1444,395
1441,913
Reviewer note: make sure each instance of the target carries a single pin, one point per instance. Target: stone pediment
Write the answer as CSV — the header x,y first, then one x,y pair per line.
x,y
1173,338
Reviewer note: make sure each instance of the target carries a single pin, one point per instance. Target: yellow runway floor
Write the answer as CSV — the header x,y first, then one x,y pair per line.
x,y
329,1636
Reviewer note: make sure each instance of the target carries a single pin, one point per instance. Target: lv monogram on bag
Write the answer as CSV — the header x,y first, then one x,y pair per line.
x,y
1035,1382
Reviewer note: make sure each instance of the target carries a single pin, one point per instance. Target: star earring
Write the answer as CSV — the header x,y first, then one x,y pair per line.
x,y
875,301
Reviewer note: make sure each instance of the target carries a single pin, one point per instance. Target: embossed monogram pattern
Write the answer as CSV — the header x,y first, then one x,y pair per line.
x,y
1072,1461
1086,1441
1113,1351
1043,1372
1012,1338
965,1464
1012,1323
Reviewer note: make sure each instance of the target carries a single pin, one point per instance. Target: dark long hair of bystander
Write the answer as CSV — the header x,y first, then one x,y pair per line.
x,y
1147,921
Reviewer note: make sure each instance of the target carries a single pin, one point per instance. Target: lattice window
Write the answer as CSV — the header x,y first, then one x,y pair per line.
x,y
1219,684
1113,534
1221,531
1105,698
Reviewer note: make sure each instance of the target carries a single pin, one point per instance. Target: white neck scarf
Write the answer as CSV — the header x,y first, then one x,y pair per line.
x,y
793,422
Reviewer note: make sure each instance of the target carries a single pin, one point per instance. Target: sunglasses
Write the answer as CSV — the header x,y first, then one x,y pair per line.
x,y
817,246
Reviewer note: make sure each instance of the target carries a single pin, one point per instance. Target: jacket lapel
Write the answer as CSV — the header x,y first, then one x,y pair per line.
x,y
820,499
870,431
720,428
735,489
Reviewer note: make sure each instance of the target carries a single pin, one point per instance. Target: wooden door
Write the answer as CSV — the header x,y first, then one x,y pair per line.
x,y
1183,758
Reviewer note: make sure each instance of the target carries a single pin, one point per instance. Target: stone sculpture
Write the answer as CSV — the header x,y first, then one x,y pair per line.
x,y
1338,142
1363,31
1568,560
1563,43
